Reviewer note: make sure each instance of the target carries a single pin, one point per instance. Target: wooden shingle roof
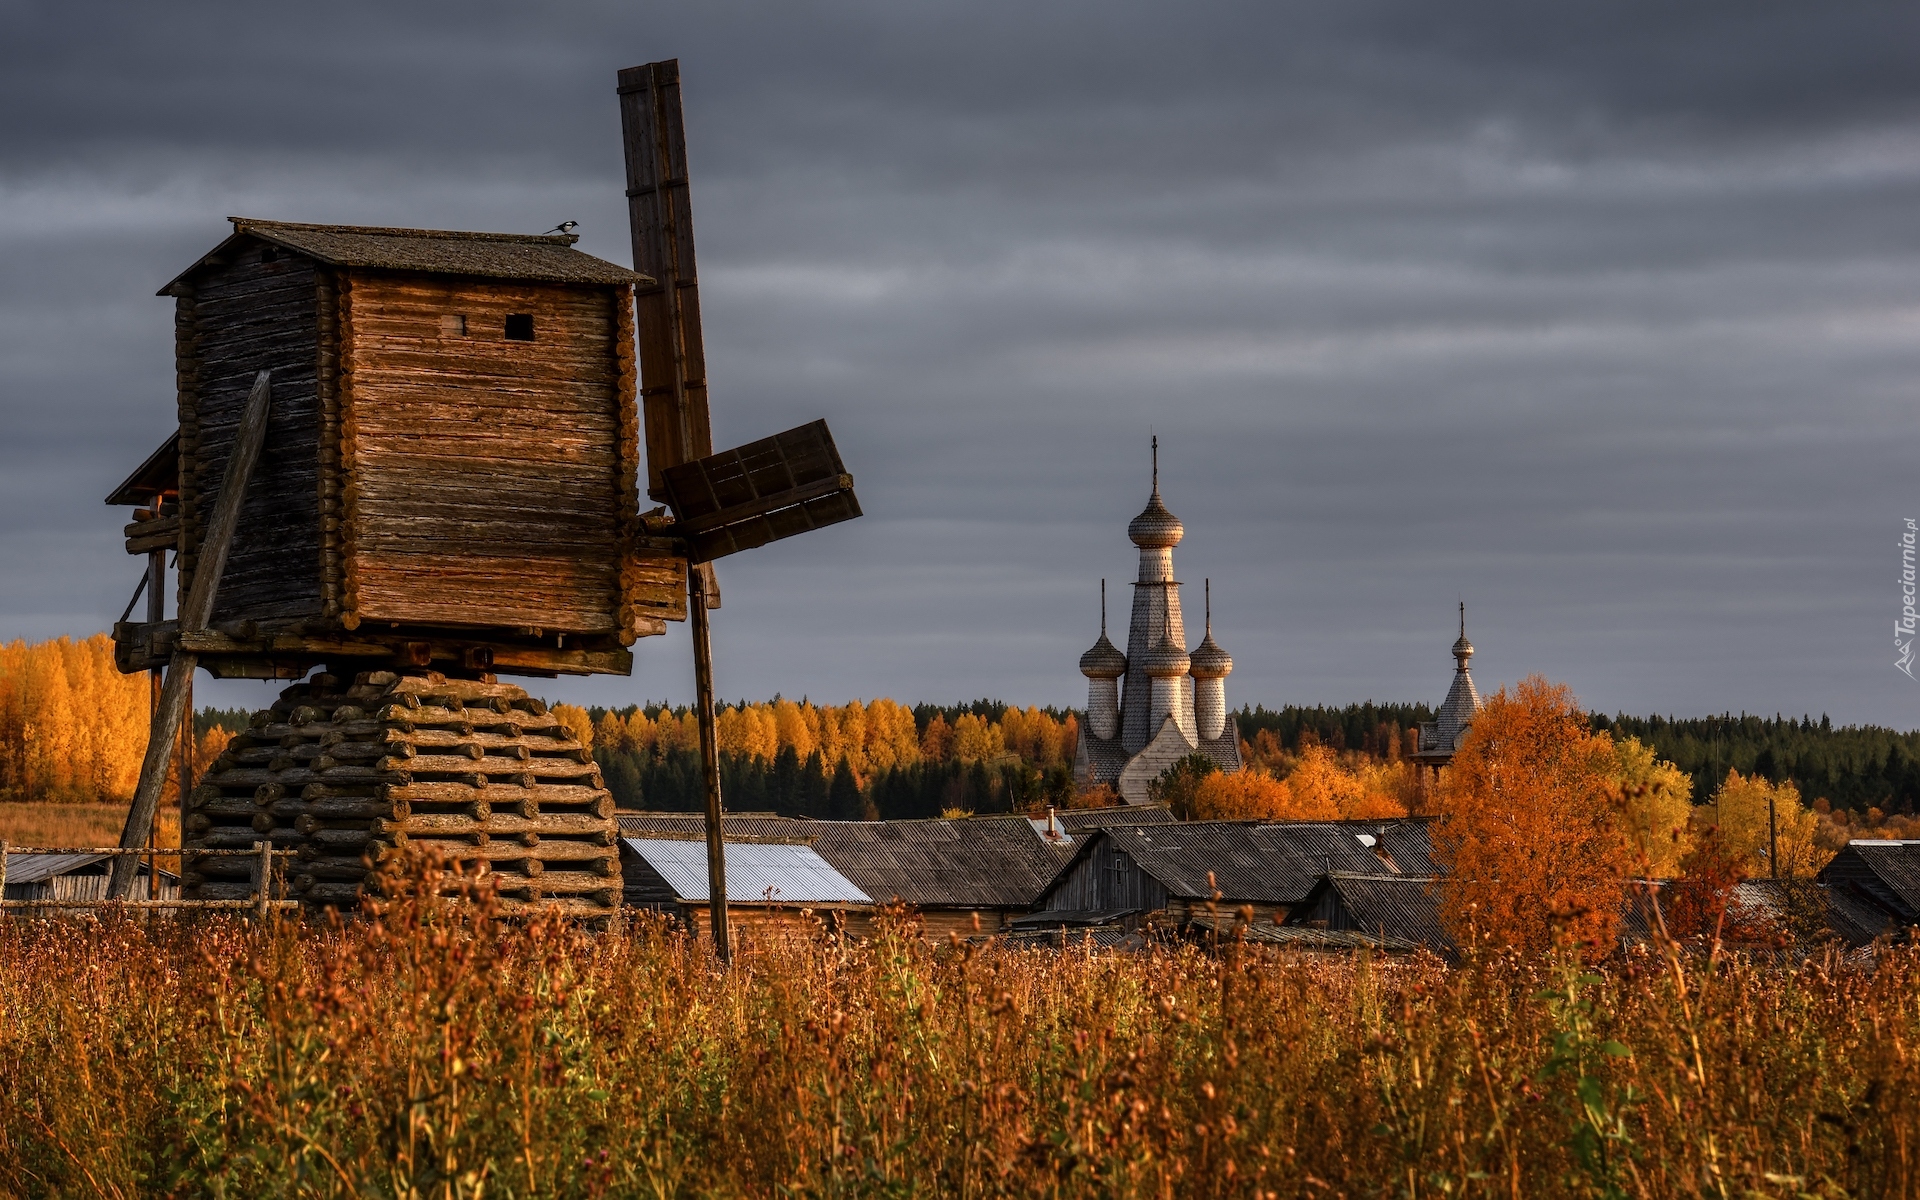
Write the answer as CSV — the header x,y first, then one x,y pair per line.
x,y
539,258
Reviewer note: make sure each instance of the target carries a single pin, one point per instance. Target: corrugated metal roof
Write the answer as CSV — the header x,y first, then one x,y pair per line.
x,y
1393,907
997,861
1055,917
544,258
1274,863
1897,864
32,868
756,872
1325,939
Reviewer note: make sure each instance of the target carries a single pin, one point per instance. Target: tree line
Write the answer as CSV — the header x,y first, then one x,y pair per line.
x,y
1854,767
858,761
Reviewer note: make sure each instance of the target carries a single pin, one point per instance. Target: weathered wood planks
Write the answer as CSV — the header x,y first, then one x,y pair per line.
x,y
425,474
251,315
484,480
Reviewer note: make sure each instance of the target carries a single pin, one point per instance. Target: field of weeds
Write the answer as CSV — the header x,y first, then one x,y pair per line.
x,y
432,1052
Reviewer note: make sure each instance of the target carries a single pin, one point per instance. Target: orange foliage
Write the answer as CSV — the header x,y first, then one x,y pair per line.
x,y
1100,795
1529,826
1322,788
936,745
1249,795
72,727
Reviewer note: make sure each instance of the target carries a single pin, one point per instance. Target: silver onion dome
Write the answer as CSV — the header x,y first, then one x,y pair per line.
x,y
1104,661
1166,659
1156,528
1209,661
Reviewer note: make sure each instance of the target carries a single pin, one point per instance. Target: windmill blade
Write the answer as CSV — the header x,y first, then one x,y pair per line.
x,y
673,363
761,492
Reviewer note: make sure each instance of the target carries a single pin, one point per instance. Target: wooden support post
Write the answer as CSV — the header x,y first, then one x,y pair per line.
x,y
156,611
709,763
3,868
263,877
1773,840
177,692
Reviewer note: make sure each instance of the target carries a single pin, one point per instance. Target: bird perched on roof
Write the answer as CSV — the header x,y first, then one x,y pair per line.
x,y
563,227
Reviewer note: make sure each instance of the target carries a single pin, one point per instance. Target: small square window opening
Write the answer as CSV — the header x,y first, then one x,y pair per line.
x,y
269,254
453,325
520,327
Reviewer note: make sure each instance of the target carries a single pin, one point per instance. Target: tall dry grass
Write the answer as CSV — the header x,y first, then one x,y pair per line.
x,y
29,824
435,1053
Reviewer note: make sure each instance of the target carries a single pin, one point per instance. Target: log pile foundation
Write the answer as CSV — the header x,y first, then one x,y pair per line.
x,y
476,770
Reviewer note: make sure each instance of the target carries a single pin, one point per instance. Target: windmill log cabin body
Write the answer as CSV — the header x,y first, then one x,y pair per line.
x,y
447,429
449,471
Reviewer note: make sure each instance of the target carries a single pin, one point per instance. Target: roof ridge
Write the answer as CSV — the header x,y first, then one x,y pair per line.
x,y
250,224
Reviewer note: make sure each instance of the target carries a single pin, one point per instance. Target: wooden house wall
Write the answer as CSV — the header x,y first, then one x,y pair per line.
x,y
482,475
1106,877
1224,915
240,318
88,887
641,886
763,919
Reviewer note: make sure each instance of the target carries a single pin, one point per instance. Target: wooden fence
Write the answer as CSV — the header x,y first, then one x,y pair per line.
x,y
267,882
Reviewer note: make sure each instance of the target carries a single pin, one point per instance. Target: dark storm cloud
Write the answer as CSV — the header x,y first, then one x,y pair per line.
x,y
1603,318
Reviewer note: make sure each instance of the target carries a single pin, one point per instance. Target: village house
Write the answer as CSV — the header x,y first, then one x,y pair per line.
x,y
1212,873
963,876
1386,912
1881,879
76,877
769,884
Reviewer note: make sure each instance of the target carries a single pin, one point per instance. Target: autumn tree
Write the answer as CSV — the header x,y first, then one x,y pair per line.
x,y
936,744
576,722
1250,794
1739,810
1528,824
1656,806
1321,787
1699,901
72,727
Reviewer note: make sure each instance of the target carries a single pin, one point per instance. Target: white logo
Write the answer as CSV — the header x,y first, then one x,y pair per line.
x,y
1903,629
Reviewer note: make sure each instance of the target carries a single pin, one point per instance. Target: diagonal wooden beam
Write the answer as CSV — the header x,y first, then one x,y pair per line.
x,y
194,615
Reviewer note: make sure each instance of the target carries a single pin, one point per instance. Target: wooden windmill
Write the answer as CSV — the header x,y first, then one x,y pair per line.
x,y
413,456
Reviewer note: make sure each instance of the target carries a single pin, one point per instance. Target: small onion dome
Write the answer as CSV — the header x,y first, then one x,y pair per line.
x,y
1463,649
1210,661
1156,528
1104,661
1166,659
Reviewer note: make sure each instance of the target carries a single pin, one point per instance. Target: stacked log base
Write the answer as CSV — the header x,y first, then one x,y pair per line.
x,y
477,770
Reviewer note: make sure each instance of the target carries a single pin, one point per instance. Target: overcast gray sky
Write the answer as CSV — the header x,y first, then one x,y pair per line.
x,y
1603,318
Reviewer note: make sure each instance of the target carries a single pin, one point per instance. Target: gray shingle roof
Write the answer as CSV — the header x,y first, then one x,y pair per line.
x,y
1270,863
999,861
1456,712
1396,908
543,258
